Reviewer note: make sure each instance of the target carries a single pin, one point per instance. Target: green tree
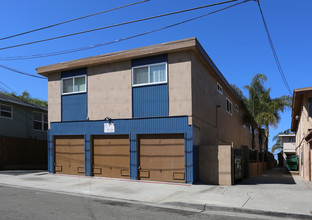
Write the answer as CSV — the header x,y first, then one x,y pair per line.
x,y
265,110
27,98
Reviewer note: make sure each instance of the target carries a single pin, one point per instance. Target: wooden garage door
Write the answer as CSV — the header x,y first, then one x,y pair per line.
x,y
161,158
69,155
111,156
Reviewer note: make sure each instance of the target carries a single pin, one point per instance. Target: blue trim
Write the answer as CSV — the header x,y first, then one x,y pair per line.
x,y
150,60
75,72
50,151
87,155
133,128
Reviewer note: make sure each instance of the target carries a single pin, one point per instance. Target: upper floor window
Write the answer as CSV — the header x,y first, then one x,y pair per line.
x,y
40,121
149,74
228,106
6,111
76,84
219,88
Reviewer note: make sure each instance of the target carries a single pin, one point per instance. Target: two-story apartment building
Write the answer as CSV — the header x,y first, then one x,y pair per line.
x,y
23,134
288,142
142,114
301,124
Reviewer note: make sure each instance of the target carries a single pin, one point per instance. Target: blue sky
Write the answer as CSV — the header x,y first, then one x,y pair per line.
x,y
235,39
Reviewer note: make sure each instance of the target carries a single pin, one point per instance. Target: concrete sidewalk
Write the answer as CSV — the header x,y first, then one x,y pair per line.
x,y
275,193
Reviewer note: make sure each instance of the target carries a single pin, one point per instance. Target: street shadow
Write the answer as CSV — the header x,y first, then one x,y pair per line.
x,y
275,176
23,172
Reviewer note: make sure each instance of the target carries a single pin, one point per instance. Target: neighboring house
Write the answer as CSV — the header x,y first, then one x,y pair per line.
x,y
288,142
152,113
23,134
301,124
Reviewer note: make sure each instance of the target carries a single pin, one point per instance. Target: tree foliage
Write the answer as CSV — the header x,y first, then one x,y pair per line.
x,y
27,98
264,109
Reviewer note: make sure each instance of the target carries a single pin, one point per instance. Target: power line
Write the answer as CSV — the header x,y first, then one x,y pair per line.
x,y
21,72
34,56
115,25
71,20
7,87
274,51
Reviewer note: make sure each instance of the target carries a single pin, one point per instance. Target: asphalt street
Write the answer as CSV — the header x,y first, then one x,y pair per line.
x,y
24,203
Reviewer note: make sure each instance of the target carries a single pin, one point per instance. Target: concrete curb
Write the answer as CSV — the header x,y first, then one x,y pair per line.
x,y
240,210
187,207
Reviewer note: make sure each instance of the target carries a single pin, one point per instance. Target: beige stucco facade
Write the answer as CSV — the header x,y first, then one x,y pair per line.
x,y
302,125
209,107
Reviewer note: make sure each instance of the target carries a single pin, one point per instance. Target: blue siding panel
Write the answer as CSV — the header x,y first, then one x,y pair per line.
x,y
74,107
75,72
150,60
150,101
133,128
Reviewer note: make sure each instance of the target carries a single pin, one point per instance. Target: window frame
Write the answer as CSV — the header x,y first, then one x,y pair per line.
x,y
219,86
148,73
42,121
6,111
74,77
228,100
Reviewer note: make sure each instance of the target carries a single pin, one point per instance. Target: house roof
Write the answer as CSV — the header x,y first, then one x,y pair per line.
x,y
297,104
18,101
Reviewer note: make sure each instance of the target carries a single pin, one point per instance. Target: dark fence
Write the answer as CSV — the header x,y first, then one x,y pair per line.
x,y
23,154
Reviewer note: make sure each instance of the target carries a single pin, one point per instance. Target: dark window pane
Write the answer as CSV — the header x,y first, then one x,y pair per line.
x,y
37,125
6,114
6,108
45,118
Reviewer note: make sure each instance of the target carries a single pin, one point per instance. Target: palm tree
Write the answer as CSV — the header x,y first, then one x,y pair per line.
x,y
265,110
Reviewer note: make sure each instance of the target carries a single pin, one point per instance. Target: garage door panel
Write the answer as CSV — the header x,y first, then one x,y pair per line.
x,y
111,156
111,150
69,155
162,158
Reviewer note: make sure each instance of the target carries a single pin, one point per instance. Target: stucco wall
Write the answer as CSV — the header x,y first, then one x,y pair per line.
x,y
54,97
109,91
215,165
180,92
216,125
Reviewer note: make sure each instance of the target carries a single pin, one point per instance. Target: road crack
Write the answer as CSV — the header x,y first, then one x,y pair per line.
x,y
246,200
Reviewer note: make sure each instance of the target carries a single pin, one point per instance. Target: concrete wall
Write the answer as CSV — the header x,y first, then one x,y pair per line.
x,y
21,125
109,91
216,125
215,165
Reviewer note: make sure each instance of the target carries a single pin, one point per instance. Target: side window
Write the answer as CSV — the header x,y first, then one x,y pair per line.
x,y
228,106
75,84
40,121
219,88
6,111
